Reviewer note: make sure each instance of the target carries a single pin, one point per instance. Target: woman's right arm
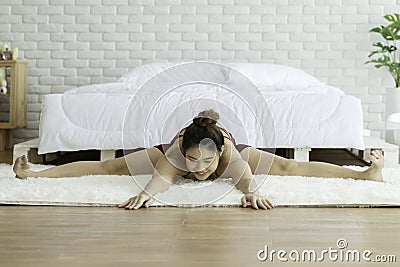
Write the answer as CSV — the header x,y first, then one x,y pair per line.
x,y
163,175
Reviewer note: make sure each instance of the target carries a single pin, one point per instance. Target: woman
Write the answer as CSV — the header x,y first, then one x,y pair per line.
x,y
202,151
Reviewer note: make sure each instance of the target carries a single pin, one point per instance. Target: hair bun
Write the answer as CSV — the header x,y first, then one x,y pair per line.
x,y
206,117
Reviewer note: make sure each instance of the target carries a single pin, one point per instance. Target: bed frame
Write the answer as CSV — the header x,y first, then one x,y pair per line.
x,y
390,151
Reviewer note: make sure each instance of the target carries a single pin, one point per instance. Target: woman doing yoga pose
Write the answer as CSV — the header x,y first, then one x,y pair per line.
x,y
202,151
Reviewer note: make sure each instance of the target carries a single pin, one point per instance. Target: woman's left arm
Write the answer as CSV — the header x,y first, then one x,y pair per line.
x,y
240,172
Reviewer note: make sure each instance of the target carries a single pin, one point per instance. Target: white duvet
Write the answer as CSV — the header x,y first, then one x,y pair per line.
x,y
80,121
123,115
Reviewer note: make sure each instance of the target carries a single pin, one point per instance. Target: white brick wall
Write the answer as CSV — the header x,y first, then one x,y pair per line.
x,y
70,43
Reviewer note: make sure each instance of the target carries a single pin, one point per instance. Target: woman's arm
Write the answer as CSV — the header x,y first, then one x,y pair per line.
x,y
163,175
240,172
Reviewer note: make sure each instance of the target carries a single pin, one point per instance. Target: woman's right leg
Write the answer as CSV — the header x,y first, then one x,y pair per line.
x,y
136,163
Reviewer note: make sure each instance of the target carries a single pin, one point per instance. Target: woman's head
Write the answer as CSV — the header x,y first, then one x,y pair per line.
x,y
203,144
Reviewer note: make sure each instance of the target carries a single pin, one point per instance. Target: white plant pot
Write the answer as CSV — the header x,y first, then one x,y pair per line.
x,y
392,132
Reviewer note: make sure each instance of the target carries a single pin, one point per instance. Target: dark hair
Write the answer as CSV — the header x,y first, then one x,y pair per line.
x,y
204,126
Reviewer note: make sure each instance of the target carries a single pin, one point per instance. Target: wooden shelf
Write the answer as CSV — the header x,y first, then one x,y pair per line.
x,y
7,63
17,90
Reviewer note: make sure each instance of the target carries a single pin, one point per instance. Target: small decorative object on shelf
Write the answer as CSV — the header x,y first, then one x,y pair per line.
x,y
13,91
15,53
3,90
3,81
7,54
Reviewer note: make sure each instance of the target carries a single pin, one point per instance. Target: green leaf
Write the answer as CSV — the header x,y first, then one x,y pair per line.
x,y
387,33
392,48
373,53
395,30
389,18
377,29
376,52
396,17
378,45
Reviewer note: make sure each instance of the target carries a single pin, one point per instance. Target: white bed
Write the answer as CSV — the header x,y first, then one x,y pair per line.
x,y
301,111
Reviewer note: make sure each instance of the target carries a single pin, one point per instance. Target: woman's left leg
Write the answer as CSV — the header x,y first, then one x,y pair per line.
x,y
262,162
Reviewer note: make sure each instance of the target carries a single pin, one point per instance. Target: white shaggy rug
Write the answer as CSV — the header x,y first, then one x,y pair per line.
x,y
102,190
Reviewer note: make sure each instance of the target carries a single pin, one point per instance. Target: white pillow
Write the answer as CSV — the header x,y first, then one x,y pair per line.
x,y
326,89
187,71
271,76
142,73
105,88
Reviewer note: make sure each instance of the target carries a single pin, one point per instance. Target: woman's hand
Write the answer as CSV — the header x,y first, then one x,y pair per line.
x,y
143,199
256,201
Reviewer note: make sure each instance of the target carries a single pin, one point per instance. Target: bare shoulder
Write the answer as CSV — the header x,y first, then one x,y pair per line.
x,y
168,164
175,158
228,158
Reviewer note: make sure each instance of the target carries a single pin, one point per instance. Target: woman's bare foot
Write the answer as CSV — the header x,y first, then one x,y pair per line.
x,y
21,167
374,172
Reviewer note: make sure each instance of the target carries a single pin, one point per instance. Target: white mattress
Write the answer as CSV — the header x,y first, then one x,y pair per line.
x,y
111,116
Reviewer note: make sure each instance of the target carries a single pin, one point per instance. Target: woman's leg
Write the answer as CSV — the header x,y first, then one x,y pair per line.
x,y
262,162
136,163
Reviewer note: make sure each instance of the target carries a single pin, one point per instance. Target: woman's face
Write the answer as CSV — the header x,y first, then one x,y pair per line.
x,y
202,161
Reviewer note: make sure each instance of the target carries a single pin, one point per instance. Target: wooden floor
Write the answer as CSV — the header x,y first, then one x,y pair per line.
x,y
82,236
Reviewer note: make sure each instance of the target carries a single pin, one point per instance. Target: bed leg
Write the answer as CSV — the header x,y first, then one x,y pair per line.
x,y
19,151
302,154
391,158
24,148
107,154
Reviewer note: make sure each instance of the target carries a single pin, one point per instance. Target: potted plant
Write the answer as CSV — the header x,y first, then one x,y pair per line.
x,y
387,55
